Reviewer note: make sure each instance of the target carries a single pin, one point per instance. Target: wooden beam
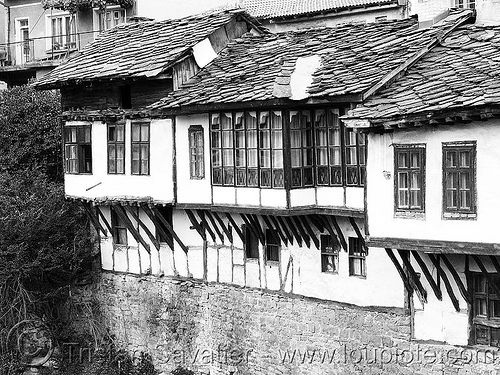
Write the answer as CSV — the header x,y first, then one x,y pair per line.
x,y
399,269
283,281
308,225
106,222
340,234
447,283
196,225
330,230
300,228
170,229
495,263
491,282
318,223
358,231
214,225
294,230
428,275
136,217
204,224
277,229
280,223
158,226
94,219
225,228
255,220
254,230
435,247
461,287
419,288
236,227
135,233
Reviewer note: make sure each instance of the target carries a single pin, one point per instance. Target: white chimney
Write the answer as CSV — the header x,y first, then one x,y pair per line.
x,y
488,12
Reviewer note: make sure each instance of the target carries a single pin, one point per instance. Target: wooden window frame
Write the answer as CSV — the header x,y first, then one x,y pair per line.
x,y
409,150
357,252
196,152
459,212
226,152
113,146
273,246
141,143
485,322
327,252
77,144
251,239
118,228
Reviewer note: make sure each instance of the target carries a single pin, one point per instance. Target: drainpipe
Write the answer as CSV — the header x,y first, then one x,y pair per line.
x,y
8,29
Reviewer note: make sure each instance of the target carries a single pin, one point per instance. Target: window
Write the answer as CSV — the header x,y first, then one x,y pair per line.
x,y
357,257
166,213
471,4
272,246
459,190
63,32
251,244
409,171
486,310
196,152
111,18
323,151
116,148
119,229
329,255
78,149
140,148
125,97
247,149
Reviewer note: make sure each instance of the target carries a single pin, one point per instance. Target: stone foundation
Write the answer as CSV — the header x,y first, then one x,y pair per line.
x,y
214,328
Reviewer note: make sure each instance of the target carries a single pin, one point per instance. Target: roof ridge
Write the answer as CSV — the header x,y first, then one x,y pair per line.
x,y
440,35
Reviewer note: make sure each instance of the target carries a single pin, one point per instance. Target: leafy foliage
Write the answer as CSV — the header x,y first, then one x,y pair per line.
x,y
30,132
45,243
76,5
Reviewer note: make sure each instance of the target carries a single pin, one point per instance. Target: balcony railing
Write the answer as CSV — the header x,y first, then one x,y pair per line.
x,y
45,49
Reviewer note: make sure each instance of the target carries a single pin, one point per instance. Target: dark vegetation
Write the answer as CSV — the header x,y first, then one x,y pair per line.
x,y
46,248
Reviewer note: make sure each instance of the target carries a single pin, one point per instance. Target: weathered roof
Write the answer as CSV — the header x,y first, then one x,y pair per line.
x,y
462,72
141,49
266,9
352,59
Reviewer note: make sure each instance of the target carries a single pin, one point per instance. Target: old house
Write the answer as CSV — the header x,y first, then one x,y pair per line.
x,y
37,36
431,173
229,197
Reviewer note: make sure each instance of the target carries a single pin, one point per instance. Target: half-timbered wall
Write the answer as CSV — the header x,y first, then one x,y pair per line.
x,y
298,270
99,184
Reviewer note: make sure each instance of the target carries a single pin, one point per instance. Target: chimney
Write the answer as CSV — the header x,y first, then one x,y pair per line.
x,y
488,12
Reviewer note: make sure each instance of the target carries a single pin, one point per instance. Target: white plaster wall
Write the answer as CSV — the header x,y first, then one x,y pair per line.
x,y
428,9
192,190
380,194
438,320
100,184
488,12
330,196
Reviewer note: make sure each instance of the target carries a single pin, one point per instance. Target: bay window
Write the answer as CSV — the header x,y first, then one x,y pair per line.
x,y
78,149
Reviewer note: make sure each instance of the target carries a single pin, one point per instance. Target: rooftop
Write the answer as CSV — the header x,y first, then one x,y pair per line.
x,y
266,9
463,72
139,49
320,64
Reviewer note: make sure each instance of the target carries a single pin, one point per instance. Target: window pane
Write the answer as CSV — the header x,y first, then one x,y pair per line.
x,y
252,158
226,121
265,159
277,139
464,159
216,158
216,141
277,158
402,160
415,160
136,133
451,159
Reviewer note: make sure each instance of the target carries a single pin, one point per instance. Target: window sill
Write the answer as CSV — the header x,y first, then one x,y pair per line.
x,y
419,215
252,260
459,216
359,276
79,173
494,323
273,263
329,272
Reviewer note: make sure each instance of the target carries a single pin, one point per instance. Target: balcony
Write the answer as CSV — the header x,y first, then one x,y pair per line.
x,y
31,58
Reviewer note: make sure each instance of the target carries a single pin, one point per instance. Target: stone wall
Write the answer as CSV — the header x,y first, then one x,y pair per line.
x,y
214,328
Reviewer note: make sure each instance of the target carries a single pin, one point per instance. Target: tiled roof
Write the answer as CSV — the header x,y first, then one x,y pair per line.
x,y
142,49
266,9
463,72
352,58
